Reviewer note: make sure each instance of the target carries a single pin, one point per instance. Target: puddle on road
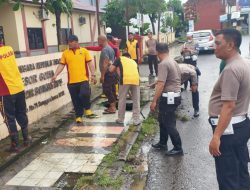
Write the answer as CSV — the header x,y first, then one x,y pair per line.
x,y
67,181
139,182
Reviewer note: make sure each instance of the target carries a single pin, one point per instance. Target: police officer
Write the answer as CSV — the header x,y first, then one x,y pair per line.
x,y
188,73
168,89
78,62
190,54
228,107
12,97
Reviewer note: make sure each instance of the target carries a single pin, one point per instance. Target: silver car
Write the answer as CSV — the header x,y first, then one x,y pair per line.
x,y
205,40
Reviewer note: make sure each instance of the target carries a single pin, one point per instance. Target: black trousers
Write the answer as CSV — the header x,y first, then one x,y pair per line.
x,y
13,108
195,100
232,165
109,89
167,121
80,96
152,61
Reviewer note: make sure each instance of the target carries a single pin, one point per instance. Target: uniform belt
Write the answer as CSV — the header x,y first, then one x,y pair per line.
x,y
176,94
234,120
187,57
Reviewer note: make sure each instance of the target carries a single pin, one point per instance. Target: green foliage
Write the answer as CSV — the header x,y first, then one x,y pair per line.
x,y
115,14
116,11
106,180
127,168
16,6
176,21
62,6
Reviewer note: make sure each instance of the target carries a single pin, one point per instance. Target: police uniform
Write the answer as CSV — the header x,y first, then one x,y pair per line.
x,y
188,72
12,96
78,78
170,73
189,59
129,80
233,85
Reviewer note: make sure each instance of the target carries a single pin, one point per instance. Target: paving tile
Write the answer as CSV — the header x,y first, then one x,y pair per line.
x,y
46,182
30,182
74,168
53,175
86,141
67,161
16,181
24,174
83,156
108,117
48,171
38,174
88,169
78,162
96,130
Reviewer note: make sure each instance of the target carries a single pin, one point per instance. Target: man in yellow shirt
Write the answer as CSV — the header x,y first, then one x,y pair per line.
x,y
12,97
133,48
129,80
78,60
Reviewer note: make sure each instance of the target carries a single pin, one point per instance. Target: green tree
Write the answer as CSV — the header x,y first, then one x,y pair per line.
x,y
56,7
153,8
115,18
176,21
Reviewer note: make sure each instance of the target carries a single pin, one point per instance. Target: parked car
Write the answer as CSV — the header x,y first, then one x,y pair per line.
x,y
205,40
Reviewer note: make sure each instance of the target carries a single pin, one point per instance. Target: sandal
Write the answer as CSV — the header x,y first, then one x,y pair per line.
x,y
108,112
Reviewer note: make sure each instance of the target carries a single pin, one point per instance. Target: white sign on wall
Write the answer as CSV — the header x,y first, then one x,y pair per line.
x,y
191,25
42,96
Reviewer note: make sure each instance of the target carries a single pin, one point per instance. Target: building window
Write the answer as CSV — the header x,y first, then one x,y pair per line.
x,y
35,36
64,34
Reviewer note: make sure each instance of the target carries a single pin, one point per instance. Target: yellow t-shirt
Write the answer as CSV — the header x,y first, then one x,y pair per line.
x,y
10,77
129,71
76,63
132,49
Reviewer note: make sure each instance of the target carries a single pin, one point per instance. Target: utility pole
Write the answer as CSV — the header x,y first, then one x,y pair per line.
x,y
97,17
127,21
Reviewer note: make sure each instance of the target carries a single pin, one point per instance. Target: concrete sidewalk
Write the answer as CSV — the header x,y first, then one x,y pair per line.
x,y
72,149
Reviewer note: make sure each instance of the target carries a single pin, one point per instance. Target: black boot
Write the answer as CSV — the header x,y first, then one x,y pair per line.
x,y
175,152
160,146
27,140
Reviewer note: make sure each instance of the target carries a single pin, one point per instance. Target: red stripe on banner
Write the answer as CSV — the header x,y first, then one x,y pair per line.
x,y
3,87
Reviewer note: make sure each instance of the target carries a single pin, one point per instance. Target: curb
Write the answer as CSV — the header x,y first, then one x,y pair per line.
x,y
49,133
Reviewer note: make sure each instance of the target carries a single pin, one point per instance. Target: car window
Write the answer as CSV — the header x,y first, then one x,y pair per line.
x,y
201,34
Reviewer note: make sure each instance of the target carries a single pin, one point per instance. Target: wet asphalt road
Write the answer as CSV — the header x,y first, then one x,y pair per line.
x,y
195,170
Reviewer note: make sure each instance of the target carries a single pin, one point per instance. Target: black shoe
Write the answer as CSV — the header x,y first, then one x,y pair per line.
x,y
174,152
196,113
160,146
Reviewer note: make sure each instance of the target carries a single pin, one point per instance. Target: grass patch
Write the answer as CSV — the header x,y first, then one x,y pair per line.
x,y
182,118
85,180
106,180
103,177
148,129
127,168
